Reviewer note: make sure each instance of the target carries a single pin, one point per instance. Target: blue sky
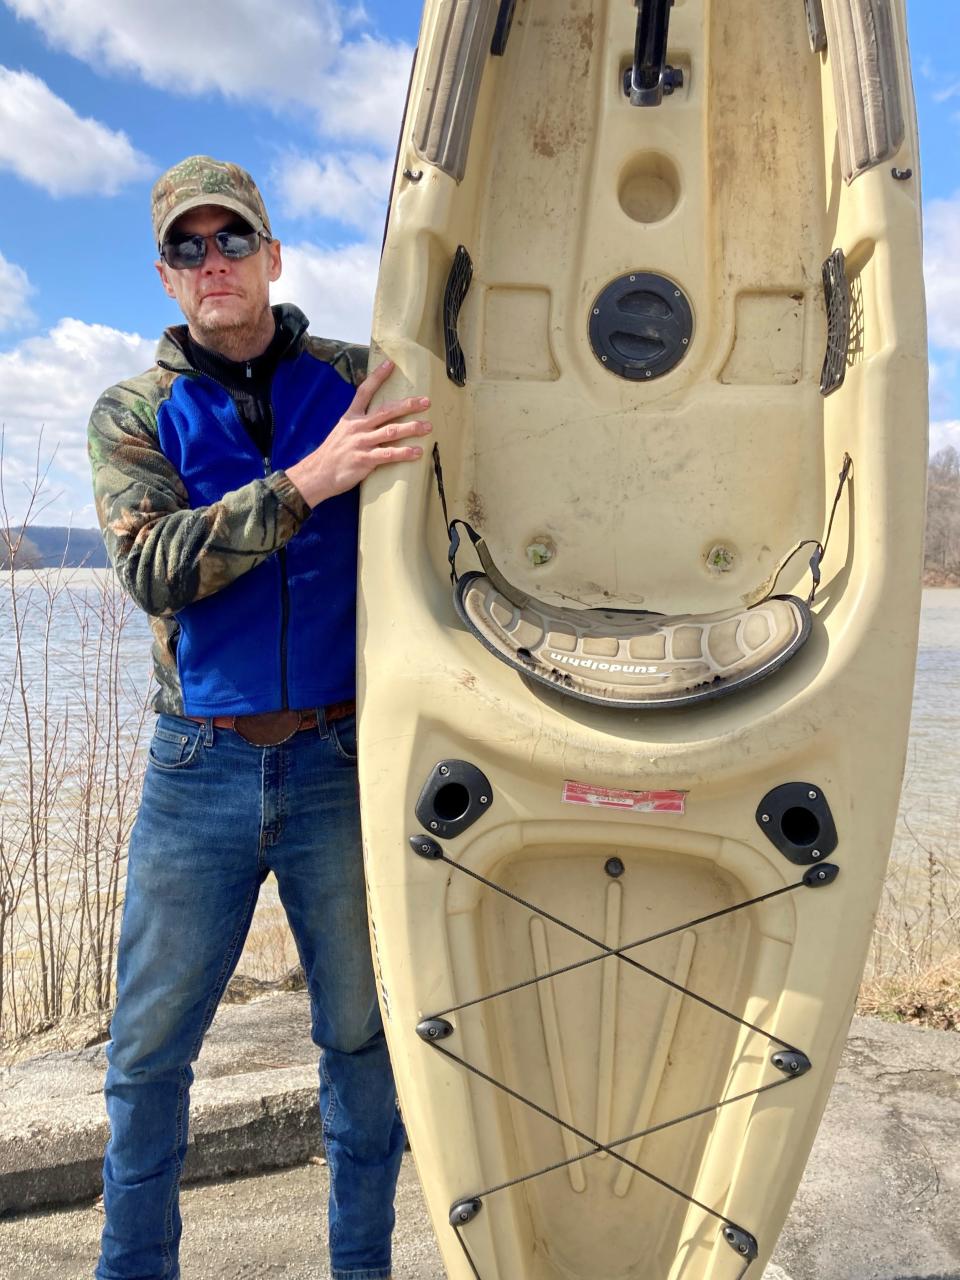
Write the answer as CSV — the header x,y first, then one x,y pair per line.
x,y
97,97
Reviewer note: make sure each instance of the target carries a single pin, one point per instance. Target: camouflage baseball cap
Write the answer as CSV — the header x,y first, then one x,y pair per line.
x,y
199,180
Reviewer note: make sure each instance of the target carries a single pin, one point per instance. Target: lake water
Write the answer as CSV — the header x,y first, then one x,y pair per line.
x,y
930,804
68,621
68,651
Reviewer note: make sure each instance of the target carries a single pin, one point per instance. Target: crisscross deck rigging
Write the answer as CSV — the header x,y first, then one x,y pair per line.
x,y
787,1058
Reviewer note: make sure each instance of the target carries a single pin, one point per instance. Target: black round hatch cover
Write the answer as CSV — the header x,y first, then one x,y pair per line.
x,y
640,326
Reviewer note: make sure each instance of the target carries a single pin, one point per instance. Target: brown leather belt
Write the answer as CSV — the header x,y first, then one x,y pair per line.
x,y
271,728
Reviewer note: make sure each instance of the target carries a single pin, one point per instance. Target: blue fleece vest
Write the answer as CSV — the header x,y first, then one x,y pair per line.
x,y
283,634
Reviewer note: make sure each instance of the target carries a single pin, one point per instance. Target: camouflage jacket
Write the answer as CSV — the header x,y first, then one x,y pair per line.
x,y
169,551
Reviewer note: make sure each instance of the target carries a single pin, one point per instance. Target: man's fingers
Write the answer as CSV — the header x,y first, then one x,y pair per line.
x,y
397,431
360,406
395,409
395,453
369,387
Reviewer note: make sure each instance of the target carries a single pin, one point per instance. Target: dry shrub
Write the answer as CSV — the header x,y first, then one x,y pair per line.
x,y
913,970
73,707
918,921
270,952
930,998
71,730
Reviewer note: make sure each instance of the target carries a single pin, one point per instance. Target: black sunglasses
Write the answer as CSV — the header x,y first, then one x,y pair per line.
x,y
186,252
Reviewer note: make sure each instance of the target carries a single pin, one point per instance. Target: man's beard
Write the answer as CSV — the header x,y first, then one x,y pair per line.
x,y
232,334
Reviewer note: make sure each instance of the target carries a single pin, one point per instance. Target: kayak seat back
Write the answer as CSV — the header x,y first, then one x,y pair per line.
x,y
632,659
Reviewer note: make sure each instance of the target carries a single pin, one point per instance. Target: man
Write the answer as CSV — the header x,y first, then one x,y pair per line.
x,y
226,487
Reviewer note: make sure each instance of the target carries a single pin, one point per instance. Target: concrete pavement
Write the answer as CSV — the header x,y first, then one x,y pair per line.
x,y
880,1199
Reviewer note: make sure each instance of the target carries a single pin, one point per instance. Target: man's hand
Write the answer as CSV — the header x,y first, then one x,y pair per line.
x,y
360,442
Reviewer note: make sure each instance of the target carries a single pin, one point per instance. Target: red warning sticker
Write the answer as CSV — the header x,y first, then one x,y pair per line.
x,y
628,801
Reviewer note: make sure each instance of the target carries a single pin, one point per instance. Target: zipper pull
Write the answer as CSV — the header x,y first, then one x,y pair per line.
x,y
249,370
266,466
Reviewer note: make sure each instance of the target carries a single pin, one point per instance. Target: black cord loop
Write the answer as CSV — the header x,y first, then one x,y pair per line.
x,y
618,952
595,1146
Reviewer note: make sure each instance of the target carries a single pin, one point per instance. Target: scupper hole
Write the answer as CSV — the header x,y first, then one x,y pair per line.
x,y
452,801
800,827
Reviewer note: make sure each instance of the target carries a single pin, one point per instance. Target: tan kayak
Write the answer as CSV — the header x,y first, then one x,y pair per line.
x,y
629,777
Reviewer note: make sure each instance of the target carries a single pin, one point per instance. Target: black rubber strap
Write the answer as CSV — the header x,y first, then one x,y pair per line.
x,y
815,560
438,472
518,598
819,548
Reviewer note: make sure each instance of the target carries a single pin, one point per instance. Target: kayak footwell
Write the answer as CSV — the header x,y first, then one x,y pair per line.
x,y
578,984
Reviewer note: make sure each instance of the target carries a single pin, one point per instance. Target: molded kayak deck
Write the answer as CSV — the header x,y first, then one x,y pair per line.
x,y
619,946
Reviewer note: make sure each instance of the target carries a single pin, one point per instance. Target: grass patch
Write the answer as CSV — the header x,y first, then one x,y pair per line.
x,y
927,998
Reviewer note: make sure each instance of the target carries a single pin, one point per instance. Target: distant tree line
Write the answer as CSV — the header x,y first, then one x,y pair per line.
x,y
17,551
941,558
47,547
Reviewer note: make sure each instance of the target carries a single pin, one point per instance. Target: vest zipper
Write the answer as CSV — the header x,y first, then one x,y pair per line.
x,y
284,597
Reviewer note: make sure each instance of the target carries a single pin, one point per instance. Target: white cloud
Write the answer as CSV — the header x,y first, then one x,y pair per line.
x,y
944,433
363,92
948,92
48,385
335,287
944,84
44,141
194,45
352,188
15,289
944,386
942,271
292,54
355,16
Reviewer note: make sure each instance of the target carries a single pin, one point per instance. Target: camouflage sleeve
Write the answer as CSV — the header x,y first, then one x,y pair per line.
x,y
167,554
169,694
349,359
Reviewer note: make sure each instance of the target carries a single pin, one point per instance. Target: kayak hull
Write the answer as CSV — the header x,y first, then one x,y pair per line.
x,y
620,845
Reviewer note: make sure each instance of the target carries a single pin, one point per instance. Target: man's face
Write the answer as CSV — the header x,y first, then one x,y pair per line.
x,y
221,295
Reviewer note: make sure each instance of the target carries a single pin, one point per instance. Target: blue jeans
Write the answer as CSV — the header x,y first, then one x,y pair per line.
x,y
217,815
